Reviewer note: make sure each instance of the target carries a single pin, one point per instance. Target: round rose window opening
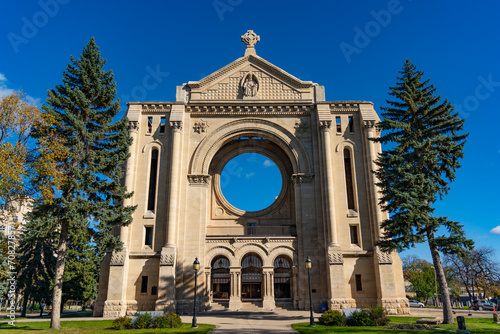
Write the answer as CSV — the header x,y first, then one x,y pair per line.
x,y
251,182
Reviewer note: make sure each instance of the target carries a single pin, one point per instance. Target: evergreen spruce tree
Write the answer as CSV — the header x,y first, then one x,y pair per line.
x,y
96,149
425,145
36,260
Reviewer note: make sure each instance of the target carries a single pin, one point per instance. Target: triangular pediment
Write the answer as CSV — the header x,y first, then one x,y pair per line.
x,y
250,78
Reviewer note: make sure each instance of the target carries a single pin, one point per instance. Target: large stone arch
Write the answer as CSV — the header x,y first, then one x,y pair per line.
x,y
211,144
286,251
252,248
220,250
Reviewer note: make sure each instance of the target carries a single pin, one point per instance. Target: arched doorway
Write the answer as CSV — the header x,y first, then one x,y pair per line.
x,y
221,279
282,279
251,278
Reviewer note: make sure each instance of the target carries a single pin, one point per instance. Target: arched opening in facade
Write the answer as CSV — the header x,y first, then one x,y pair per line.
x,y
251,277
282,278
221,278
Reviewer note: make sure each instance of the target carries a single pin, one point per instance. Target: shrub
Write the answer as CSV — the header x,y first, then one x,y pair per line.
x,y
378,316
332,318
359,318
169,320
122,323
143,321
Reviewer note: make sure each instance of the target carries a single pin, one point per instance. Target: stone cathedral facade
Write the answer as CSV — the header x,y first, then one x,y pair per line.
x,y
327,209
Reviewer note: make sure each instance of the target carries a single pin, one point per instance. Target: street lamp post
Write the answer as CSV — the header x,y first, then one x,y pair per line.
x,y
311,317
196,267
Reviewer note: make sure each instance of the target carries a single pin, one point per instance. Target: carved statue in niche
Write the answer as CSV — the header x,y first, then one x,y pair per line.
x,y
250,85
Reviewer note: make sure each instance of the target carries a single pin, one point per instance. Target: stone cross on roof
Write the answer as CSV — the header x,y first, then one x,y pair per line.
x,y
250,39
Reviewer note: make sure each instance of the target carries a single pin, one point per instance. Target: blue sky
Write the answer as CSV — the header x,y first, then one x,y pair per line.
x,y
352,48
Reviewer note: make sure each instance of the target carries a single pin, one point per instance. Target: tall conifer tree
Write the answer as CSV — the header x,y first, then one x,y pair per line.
x,y
96,150
425,144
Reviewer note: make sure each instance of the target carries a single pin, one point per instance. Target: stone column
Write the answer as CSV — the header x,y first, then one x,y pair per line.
x,y
208,278
166,289
329,187
129,179
374,189
268,301
235,299
173,206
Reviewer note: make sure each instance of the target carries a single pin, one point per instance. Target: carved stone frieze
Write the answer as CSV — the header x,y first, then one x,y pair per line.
x,y
302,178
335,258
198,179
118,258
167,259
383,257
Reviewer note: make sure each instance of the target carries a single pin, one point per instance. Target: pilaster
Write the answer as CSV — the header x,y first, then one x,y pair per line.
x,y
268,296
166,286
116,301
176,124
325,123
235,293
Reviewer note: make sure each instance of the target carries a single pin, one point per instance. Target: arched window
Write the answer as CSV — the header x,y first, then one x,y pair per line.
x,y
152,180
348,179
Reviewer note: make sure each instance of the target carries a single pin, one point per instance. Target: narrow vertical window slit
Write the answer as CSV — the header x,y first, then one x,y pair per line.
x,y
152,180
348,180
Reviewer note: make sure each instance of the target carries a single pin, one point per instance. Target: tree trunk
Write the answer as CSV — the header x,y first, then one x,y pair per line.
x,y
55,320
25,306
443,285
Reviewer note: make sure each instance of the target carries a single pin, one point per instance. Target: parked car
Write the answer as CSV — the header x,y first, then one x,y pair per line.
x,y
416,303
484,305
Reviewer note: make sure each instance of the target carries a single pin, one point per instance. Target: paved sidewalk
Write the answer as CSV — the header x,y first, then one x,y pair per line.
x,y
252,322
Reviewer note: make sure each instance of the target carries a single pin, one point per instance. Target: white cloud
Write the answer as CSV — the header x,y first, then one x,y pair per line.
x,y
249,175
6,91
268,163
495,230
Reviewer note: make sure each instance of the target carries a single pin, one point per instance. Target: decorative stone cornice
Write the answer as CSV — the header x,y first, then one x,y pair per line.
x,y
133,126
344,106
302,178
200,180
335,258
176,126
254,109
156,107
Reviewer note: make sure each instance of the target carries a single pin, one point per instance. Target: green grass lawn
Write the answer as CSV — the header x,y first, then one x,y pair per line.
x,y
93,326
475,325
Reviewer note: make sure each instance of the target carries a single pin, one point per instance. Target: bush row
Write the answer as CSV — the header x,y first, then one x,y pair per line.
x,y
374,316
145,320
